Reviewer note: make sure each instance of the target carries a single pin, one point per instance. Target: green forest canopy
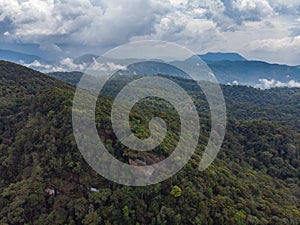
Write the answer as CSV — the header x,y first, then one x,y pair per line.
x,y
44,179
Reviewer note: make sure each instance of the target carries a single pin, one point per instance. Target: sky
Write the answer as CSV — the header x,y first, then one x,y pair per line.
x,y
258,29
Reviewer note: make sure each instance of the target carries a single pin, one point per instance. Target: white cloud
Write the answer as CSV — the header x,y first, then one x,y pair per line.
x,y
293,83
106,67
80,21
44,67
276,45
36,63
70,65
66,64
235,82
261,7
256,28
283,50
113,66
267,84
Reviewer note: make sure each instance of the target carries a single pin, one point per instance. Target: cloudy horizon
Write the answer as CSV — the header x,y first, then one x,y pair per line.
x,y
257,29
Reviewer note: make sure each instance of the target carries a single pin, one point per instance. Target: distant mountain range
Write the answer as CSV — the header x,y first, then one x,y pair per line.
x,y
251,72
17,57
229,68
220,56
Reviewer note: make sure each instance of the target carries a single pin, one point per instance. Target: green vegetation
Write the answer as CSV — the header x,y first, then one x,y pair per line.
x,y
45,180
176,191
280,105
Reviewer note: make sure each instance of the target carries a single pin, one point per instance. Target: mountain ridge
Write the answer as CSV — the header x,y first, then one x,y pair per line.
x,y
229,68
222,56
18,57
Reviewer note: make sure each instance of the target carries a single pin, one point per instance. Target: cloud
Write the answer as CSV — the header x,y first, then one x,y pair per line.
x,y
267,84
286,7
283,50
229,15
79,21
107,67
44,67
66,64
69,64
275,45
253,9
230,25
256,28
233,83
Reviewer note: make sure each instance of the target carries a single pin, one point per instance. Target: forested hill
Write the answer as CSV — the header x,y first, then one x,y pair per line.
x,y
44,179
26,79
281,105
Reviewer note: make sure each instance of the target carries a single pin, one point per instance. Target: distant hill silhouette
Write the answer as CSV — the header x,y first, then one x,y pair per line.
x,y
17,57
219,56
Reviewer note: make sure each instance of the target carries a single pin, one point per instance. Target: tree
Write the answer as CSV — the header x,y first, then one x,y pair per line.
x,y
92,219
176,191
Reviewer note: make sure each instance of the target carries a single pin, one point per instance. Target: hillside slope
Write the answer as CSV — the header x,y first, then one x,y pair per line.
x,y
44,179
281,105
